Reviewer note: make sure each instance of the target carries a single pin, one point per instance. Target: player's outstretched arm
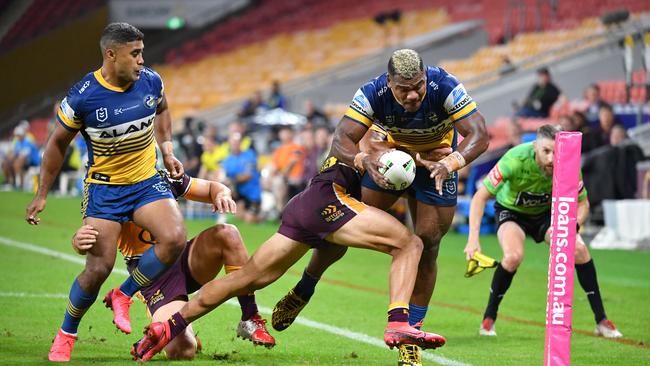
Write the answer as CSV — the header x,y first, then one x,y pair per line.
x,y
344,147
53,155
216,193
476,210
163,131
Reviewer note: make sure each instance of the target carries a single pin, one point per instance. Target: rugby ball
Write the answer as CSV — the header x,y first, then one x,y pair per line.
x,y
399,168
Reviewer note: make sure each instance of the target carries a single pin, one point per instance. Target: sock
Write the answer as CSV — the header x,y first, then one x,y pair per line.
x,y
500,283
79,301
149,268
177,324
247,302
306,286
589,282
416,314
398,312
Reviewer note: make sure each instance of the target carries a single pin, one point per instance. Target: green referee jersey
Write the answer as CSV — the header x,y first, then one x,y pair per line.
x,y
520,185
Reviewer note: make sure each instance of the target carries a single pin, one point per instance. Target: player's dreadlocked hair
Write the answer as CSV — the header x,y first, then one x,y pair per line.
x,y
406,63
119,34
548,131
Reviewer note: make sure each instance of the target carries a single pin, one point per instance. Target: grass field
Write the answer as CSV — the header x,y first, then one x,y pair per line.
x,y
344,322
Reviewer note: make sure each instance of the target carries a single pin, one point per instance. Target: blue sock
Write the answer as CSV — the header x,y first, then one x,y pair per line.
x,y
149,268
78,302
416,314
306,286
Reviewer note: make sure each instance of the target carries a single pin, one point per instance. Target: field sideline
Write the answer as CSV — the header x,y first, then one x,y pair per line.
x,y
344,322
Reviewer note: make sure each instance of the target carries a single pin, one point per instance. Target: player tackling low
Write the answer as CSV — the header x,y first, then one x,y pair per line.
x,y
522,184
200,261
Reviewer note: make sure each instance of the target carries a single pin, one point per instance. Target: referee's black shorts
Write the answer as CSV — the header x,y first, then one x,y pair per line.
x,y
534,226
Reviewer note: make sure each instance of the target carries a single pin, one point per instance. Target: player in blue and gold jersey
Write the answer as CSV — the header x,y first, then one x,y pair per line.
x,y
420,109
218,246
121,112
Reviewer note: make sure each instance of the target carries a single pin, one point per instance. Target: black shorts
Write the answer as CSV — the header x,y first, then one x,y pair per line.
x,y
250,206
534,226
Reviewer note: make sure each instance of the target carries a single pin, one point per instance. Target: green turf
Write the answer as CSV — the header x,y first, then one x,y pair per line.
x,y
352,296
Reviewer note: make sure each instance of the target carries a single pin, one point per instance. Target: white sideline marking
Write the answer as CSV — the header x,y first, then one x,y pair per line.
x,y
360,337
31,294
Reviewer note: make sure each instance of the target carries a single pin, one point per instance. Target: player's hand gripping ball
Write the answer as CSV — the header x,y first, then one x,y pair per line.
x,y
399,168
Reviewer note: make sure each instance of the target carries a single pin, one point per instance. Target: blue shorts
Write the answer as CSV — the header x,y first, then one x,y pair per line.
x,y
118,202
423,188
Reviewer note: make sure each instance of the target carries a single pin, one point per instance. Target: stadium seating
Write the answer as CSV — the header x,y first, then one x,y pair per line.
x,y
614,91
228,76
43,16
524,46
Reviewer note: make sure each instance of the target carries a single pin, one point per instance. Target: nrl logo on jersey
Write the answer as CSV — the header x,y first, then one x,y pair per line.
x,y
101,114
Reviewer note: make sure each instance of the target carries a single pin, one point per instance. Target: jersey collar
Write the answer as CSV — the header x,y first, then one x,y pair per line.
x,y
105,84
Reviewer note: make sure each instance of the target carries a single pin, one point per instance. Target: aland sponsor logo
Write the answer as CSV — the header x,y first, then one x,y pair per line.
x,y
121,131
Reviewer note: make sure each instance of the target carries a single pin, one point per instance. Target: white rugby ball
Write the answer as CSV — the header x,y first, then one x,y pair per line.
x,y
399,168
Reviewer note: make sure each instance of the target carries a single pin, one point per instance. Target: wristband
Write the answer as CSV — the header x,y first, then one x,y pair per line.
x,y
453,161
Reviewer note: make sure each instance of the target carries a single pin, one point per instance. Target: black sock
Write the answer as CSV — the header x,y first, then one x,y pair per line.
x,y
589,282
500,283
306,286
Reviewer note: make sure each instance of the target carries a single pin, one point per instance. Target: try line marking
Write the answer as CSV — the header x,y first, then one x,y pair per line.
x,y
359,337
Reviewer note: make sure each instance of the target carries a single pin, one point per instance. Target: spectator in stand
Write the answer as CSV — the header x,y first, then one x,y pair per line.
x,y
606,121
209,165
223,150
617,135
578,122
314,115
253,105
507,67
241,170
276,99
592,103
23,154
541,97
311,154
188,142
289,167
322,140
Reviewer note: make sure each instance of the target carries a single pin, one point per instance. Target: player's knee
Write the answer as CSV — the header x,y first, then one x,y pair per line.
x,y
171,243
582,253
512,260
97,273
226,236
413,243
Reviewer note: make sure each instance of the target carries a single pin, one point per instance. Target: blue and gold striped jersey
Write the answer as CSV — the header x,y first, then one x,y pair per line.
x,y
445,102
117,124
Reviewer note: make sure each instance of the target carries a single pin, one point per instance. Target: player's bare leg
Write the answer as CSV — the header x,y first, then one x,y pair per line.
x,y
163,219
370,229
375,229
431,224
222,245
289,307
511,239
100,259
